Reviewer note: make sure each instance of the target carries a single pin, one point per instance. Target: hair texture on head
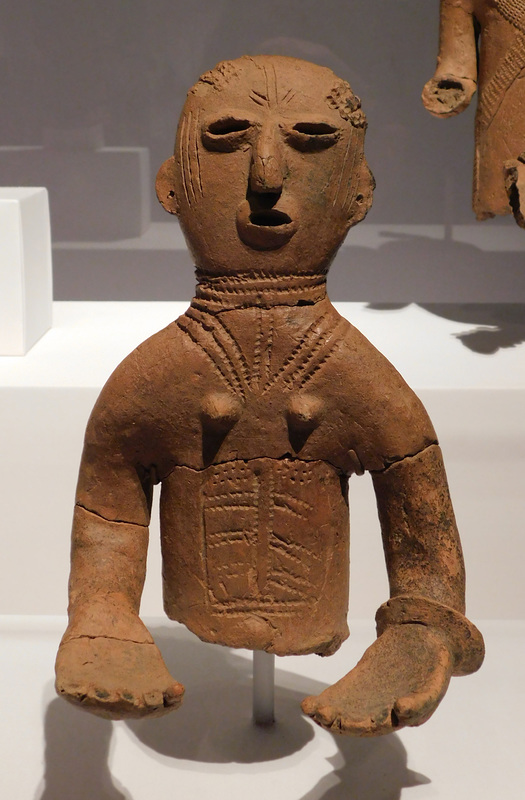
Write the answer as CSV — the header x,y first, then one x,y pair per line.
x,y
218,77
347,103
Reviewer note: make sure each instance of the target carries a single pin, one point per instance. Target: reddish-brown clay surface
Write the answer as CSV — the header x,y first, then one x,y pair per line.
x,y
499,75
252,410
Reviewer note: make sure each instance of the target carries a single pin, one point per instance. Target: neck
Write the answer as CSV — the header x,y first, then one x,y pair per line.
x,y
244,289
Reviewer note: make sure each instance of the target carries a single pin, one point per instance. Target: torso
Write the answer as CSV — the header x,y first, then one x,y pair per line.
x,y
253,419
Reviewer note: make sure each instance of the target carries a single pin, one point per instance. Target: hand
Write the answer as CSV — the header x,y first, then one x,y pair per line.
x,y
400,681
446,95
116,679
109,664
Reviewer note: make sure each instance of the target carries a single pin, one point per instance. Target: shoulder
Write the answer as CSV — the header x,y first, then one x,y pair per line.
x,y
133,391
387,418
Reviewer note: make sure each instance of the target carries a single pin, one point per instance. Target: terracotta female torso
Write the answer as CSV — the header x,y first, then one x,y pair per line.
x,y
268,535
254,445
252,410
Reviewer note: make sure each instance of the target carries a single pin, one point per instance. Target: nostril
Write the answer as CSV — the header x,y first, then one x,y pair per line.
x,y
269,199
261,199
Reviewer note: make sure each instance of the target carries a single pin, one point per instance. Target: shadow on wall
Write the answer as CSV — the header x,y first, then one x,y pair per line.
x,y
416,268
495,326
214,726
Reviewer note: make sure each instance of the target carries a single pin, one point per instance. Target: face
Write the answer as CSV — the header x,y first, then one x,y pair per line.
x,y
268,174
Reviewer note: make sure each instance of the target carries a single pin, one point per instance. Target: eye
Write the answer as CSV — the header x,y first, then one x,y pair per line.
x,y
311,136
314,128
226,134
228,125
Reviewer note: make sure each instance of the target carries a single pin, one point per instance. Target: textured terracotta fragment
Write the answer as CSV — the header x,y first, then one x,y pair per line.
x,y
252,410
482,44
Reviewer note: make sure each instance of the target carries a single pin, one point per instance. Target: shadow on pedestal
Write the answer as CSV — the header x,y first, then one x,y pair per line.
x,y
214,726
76,756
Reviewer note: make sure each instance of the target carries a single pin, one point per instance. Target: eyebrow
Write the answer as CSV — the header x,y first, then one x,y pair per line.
x,y
271,98
259,97
290,94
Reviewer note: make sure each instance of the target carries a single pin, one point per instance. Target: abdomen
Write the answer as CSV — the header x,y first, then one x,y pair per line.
x,y
256,554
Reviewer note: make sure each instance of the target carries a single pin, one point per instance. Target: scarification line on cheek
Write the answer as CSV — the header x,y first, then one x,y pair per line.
x,y
188,159
343,171
331,182
359,155
183,159
290,94
352,181
197,157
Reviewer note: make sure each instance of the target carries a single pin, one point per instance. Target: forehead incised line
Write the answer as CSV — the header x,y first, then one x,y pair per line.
x,y
272,87
290,94
270,96
259,98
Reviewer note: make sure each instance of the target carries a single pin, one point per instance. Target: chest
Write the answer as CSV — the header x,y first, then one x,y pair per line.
x,y
262,384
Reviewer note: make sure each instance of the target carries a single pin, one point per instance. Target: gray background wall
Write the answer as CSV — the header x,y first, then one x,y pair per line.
x,y
89,98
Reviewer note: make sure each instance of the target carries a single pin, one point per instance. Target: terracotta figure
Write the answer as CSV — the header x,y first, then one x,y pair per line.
x,y
499,74
252,410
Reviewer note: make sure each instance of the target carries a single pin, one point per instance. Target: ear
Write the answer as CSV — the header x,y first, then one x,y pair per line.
x,y
363,198
165,186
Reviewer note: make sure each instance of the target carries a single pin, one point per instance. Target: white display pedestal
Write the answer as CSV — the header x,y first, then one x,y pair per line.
x,y
26,286
472,747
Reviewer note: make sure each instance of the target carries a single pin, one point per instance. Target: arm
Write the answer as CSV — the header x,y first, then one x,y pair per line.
x,y
111,518
423,555
107,661
451,88
423,636
420,537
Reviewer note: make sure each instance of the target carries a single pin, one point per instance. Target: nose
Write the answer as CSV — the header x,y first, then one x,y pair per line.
x,y
267,167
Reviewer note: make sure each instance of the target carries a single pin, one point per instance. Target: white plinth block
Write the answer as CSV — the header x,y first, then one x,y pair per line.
x,y
26,287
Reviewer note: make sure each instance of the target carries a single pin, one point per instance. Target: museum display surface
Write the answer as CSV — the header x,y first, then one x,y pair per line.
x,y
499,76
444,303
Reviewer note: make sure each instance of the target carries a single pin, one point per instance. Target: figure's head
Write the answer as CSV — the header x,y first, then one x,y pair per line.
x,y
269,170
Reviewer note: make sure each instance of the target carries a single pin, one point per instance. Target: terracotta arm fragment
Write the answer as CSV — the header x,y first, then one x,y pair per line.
x,y
454,82
110,524
423,555
107,661
423,636
108,563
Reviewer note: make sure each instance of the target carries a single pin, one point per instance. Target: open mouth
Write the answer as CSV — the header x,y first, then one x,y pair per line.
x,y
265,229
271,218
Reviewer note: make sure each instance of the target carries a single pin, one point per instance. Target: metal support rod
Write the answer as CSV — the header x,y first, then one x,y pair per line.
x,y
263,687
